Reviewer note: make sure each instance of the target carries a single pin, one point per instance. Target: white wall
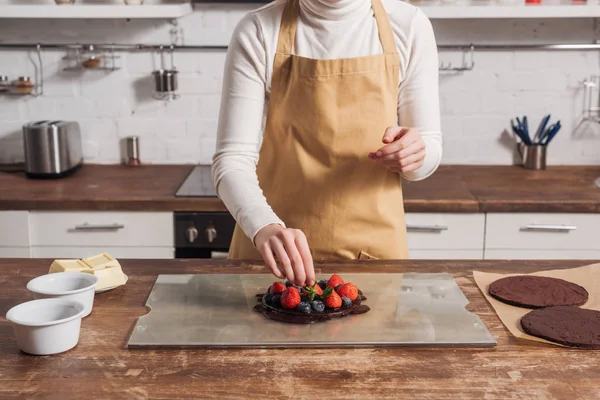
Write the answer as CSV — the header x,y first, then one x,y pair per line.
x,y
476,105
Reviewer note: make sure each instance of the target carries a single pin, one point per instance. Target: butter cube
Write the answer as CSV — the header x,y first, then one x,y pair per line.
x,y
68,266
109,275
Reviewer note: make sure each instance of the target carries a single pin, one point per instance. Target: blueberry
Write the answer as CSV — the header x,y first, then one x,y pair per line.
x,y
268,298
322,283
288,283
346,302
338,287
269,289
318,306
303,307
276,301
299,289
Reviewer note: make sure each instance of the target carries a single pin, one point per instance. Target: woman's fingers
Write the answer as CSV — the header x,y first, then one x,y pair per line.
x,y
280,251
302,245
289,242
270,262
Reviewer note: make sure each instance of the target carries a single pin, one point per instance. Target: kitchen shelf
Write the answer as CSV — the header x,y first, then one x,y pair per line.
x,y
158,11
520,11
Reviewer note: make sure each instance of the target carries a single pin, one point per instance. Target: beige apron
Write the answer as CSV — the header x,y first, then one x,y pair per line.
x,y
324,118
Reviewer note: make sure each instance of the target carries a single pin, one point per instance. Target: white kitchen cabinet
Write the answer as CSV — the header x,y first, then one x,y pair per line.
x,y
117,252
15,252
95,229
14,234
542,236
445,235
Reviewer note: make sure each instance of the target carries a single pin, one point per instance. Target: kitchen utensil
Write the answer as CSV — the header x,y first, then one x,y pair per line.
x,y
74,286
541,129
133,150
550,133
533,157
216,310
52,148
519,132
4,83
165,80
46,326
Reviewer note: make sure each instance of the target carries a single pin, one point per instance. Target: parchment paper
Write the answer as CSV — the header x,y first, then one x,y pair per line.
x,y
587,276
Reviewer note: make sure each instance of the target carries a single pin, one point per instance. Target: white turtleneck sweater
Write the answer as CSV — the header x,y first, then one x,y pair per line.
x,y
326,30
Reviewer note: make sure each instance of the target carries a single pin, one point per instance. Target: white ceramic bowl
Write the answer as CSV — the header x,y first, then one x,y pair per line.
x,y
67,285
46,326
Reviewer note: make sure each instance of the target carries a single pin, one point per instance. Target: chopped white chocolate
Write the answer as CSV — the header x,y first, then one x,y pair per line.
x,y
68,266
104,266
109,276
101,259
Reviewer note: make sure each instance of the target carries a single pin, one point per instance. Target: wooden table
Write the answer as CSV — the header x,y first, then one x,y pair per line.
x,y
100,367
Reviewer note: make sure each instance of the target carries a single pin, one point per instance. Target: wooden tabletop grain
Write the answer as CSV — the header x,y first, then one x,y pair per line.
x,y
100,367
452,188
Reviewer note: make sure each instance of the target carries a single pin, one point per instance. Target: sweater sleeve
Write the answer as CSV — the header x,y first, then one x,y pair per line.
x,y
418,99
240,130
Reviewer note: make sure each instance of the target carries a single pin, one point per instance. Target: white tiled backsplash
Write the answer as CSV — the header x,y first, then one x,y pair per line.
x,y
476,105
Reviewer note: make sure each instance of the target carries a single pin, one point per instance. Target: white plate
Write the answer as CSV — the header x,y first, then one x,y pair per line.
x,y
111,288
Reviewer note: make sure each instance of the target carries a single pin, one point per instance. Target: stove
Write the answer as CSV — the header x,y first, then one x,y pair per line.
x,y
201,234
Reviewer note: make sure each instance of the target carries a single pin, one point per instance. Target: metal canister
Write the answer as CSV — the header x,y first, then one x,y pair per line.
x,y
133,150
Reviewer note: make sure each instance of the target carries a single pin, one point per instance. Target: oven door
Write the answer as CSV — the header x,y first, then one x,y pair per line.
x,y
203,234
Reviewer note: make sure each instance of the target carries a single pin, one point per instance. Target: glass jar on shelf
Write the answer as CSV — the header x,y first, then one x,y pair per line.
x,y
4,83
23,85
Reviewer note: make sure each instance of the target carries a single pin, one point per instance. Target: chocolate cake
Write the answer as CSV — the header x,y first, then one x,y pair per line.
x,y
328,299
537,292
566,325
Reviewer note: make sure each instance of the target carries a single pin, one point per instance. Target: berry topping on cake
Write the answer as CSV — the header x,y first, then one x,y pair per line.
x,y
318,306
335,280
303,307
276,301
277,288
290,298
331,298
346,302
348,290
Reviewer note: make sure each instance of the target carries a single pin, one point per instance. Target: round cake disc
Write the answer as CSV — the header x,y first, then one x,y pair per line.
x,y
537,292
566,325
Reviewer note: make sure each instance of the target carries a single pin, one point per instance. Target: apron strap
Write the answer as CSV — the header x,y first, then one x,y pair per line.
x,y
386,34
287,29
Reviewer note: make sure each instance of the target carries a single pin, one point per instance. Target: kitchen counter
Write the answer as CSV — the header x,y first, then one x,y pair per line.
x,y
101,367
464,189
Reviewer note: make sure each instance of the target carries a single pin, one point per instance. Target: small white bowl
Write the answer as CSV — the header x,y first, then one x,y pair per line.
x,y
67,285
46,326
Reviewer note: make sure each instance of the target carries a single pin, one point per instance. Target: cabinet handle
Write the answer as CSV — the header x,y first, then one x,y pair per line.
x,y
550,228
87,227
427,228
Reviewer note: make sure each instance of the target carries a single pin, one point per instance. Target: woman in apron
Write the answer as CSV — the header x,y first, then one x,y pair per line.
x,y
326,106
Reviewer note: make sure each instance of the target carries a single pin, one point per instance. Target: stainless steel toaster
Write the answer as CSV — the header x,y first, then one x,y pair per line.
x,y
52,148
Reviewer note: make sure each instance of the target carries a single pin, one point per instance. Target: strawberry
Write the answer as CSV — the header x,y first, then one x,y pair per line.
x,y
277,288
312,289
348,290
331,298
290,298
335,280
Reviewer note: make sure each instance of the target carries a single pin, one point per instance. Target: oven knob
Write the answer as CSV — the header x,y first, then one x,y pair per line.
x,y
191,234
211,234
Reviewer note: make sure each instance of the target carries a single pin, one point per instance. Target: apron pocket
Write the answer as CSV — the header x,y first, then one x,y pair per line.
x,y
362,255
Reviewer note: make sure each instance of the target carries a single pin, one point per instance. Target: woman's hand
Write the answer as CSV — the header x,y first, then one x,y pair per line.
x,y
404,150
290,247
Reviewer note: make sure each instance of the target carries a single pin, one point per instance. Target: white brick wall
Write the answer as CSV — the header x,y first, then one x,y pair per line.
x,y
476,105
